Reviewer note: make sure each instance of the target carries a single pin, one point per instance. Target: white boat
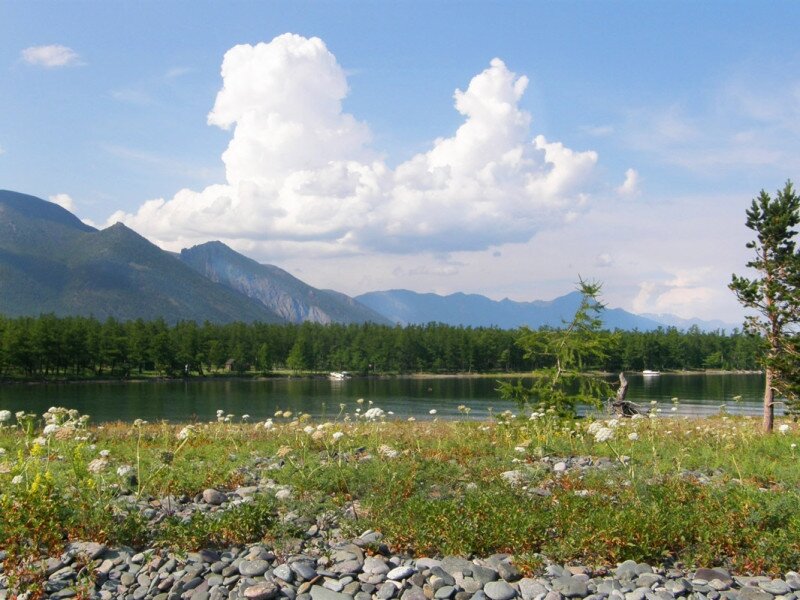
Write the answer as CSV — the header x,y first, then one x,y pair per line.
x,y
340,375
649,373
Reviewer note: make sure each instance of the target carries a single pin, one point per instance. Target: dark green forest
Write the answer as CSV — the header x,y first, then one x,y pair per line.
x,y
80,347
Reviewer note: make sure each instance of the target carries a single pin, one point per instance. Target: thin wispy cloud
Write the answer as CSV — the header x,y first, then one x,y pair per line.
x,y
52,56
158,162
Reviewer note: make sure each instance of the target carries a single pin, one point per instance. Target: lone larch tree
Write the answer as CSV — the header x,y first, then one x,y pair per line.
x,y
773,295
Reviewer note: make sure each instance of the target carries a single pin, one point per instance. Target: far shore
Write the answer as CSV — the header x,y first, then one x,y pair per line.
x,y
104,379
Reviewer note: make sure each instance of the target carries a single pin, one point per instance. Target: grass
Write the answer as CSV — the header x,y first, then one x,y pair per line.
x,y
696,492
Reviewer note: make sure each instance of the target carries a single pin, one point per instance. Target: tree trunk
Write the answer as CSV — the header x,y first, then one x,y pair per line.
x,y
769,402
620,406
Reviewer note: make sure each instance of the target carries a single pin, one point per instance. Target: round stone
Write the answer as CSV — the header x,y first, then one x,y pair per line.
x,y
284,572
214,497
263,590
399,573
499,590
253,568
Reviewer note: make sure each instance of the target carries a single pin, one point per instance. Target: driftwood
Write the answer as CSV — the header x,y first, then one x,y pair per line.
x,y
620,406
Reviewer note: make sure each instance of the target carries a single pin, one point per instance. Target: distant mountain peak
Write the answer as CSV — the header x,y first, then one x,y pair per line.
x,y
32,207
281,292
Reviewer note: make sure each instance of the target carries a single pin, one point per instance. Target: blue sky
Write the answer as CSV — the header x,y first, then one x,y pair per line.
x,y
656,124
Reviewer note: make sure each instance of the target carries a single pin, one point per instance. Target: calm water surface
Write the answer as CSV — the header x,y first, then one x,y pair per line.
x,y
321,398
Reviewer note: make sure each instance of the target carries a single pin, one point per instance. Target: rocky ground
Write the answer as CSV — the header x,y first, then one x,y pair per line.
x,y
321,564
346,572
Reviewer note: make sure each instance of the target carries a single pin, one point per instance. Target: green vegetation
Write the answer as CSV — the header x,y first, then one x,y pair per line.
x,y
702,492
560,387
775,294
82,347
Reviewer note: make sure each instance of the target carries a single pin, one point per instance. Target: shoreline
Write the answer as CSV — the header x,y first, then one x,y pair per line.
x,y
283,376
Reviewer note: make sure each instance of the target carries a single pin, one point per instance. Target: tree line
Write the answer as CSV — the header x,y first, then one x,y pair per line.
x,y
50,346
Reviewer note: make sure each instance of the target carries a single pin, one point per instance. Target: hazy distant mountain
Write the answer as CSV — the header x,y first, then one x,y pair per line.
x,y
704,325
279,291
407,307
52,262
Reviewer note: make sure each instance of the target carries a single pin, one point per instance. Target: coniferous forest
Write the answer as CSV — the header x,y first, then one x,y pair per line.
x,y
80,347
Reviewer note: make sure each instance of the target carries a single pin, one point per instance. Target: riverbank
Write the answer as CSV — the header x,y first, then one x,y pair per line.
x,y
676,494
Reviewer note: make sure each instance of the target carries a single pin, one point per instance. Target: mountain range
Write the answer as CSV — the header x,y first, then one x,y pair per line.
x,y
406,307
52,262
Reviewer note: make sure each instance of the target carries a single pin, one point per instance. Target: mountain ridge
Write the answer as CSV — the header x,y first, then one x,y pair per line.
x,y
51,262
283,293
407,307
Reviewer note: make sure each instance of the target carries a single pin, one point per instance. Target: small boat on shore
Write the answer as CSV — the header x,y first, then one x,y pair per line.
x,y
649,373
340,375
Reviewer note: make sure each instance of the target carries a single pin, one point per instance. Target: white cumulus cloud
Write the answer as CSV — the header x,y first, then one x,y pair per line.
x,y
301,174
64,201
50,56
684,294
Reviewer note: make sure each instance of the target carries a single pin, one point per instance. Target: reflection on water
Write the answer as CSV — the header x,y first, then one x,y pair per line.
x,y
321,398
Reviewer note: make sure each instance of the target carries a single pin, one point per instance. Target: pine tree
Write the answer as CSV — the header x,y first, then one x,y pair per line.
x,y
774,294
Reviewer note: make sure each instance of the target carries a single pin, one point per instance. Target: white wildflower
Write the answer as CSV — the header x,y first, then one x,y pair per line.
x,y
5,415
411,419
520,449
286,414
268,424
604,434
337,435
104,453
793,446
593,427
17,480
40,441
633,436
360,401
612,423
308,429
783,428
124,470
387,451
139,422
674,409
50,429
245,418
184,433
432,411
374,413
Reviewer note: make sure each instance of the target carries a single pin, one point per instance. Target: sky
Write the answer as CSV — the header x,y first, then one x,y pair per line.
x,y
499,148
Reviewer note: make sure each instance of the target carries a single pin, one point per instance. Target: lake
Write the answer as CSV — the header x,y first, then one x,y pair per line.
x,y
321,398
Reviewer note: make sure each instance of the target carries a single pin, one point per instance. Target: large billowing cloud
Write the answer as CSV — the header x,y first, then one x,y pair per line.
x,y
301,174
